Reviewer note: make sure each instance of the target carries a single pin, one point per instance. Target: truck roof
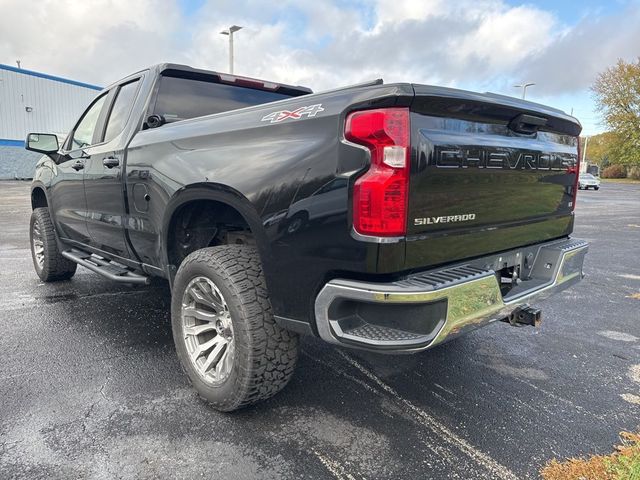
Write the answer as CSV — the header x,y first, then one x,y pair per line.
x,y
159,68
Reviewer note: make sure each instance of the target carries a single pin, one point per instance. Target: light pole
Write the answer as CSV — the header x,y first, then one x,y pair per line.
x,y
524,88
229,31
583,164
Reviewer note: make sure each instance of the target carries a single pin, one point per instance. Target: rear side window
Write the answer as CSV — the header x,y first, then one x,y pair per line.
x,y
121,109
182,98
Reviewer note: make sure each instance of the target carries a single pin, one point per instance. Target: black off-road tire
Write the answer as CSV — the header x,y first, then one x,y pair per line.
x,y
53,267
265,353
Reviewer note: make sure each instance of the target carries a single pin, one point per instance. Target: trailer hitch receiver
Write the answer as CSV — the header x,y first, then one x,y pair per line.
x,y
525,315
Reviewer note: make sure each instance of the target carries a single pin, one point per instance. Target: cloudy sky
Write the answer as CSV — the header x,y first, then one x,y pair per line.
x,y
483,45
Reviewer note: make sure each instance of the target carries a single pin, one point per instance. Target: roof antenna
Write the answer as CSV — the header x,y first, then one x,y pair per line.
x,y
18,62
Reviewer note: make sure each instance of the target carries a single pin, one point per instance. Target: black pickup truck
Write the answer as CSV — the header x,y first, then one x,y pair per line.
x,y
390,218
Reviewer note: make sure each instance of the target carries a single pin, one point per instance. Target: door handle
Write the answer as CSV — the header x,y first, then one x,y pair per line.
x,y
110,162
78,166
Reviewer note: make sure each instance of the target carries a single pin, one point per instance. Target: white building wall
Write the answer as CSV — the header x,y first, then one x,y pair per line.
x,y
55,103
35,102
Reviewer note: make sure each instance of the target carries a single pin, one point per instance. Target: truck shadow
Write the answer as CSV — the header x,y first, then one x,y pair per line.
x,y
119,315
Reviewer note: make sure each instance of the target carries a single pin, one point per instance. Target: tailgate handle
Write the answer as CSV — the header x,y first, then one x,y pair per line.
x,y
527,124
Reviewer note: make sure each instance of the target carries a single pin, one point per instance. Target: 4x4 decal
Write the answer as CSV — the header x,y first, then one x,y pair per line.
x,y
310,111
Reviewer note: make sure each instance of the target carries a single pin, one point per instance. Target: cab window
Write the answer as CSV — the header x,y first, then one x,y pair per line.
x,y
181,97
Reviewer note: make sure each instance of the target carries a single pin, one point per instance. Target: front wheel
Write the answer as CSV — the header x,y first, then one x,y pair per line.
x,y
226,338
49,264
596,188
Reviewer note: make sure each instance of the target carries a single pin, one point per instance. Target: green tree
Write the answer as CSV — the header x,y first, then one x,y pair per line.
x,y
599,148
617,95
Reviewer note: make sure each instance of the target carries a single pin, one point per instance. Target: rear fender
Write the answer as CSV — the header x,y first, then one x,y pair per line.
x,y
227,196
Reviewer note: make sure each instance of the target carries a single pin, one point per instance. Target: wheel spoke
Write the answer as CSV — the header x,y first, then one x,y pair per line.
x,y
199,329
224,365
218,352
203,347
208,297
193,311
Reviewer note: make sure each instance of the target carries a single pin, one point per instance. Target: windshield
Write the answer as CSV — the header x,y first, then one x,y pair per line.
x,y
182,98
586,176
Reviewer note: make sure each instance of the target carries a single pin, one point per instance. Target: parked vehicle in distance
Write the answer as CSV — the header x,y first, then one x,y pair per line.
x,y
593,170
587,181
390,218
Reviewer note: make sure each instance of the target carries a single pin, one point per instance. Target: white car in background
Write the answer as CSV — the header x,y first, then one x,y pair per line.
x,y
587,181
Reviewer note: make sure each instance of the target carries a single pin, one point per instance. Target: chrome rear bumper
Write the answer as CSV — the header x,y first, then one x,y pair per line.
x,y
426,309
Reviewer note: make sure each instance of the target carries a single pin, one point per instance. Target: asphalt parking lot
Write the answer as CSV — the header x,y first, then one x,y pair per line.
x,y
90,385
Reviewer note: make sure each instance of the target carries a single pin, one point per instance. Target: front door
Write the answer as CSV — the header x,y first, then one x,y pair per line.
x,y
68,202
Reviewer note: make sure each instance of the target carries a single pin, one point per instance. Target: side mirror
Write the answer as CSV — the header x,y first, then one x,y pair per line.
x,y
46,143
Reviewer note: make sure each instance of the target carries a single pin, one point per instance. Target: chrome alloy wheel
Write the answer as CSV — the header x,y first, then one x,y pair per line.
x,y
38,244
207,330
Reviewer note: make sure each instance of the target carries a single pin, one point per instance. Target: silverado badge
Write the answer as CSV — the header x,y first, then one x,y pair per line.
x,y
448,219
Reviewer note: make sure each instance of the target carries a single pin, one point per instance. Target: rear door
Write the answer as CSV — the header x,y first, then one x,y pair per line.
x,y
103,182
489,173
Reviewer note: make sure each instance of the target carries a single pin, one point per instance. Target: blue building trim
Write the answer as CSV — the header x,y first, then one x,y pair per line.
x,y
48,77
11,143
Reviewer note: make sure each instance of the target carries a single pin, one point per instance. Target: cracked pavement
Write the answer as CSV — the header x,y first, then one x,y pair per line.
x,y
90,386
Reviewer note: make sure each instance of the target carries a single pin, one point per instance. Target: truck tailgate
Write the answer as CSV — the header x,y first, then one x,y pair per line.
x,y
488,173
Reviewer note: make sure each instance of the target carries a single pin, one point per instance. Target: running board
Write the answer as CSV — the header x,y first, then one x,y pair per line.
x,y
111,270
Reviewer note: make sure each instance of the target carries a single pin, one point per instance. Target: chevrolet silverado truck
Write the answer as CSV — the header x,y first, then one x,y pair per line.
x,y
385,217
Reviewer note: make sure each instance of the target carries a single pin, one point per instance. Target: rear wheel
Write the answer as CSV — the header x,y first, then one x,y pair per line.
x,y
226,338
49,264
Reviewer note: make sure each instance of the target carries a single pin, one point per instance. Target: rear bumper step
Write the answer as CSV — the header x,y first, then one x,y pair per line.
x,y
426,309
111,270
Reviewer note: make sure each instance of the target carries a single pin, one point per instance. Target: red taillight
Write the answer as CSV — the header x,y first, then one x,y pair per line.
x,y
380,195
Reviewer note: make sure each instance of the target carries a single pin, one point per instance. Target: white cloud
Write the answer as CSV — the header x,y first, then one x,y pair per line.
x,y
396,11
573,60
505,36
481,44
97,41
